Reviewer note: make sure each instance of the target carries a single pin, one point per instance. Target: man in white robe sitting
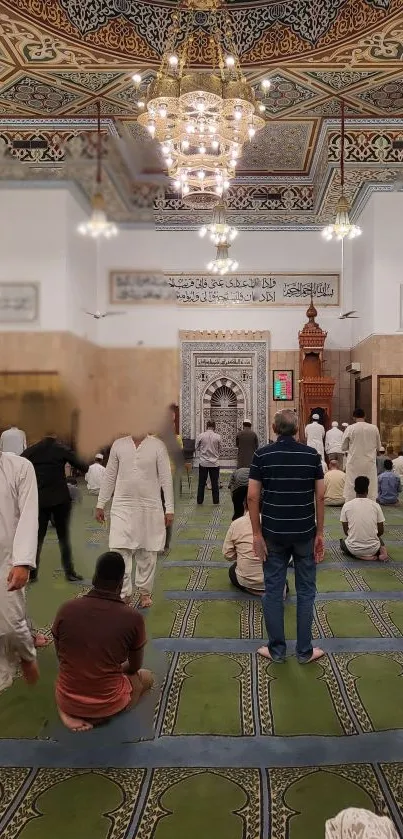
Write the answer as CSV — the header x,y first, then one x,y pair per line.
x,y
138,469
18,544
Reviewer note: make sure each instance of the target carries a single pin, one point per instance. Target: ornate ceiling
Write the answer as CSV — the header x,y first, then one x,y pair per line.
x,y
59,57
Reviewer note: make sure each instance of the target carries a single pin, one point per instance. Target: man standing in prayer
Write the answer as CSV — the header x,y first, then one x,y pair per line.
x,y
49,458
208,447
138,469
398,465
18,541
315,434
13,440
333,443
95,474
246,443
292,479
361,441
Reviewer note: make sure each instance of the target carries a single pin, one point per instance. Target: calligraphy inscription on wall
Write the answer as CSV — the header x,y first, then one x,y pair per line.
x,y
18,302
232,289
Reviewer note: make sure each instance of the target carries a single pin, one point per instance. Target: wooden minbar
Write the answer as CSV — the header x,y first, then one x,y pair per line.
x,y
315,389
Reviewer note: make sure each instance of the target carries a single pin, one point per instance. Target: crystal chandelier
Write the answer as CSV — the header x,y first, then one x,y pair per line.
x,y
98,225
222,264
220,231
201,119
342,226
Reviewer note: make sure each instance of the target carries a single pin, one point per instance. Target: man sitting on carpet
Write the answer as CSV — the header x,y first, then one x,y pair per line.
x,y
363,524
246,572
389,485
99,642
335,480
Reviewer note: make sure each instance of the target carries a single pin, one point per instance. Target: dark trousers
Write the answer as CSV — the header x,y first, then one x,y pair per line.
x,y
234,579
204,473
60,515
238,499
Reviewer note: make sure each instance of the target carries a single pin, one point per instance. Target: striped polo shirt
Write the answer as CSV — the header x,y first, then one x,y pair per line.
x,y
287,471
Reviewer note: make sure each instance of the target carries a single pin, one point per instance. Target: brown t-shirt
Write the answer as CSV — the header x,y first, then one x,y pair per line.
x,y
94,635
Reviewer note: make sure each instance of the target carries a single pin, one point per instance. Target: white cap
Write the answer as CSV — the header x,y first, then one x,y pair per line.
x,y
248,420
99,456
315,416
344,425
335,424
382,449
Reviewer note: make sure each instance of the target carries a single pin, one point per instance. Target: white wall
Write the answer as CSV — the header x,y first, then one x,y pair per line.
x,y
81,260
363,276
184,251
33,249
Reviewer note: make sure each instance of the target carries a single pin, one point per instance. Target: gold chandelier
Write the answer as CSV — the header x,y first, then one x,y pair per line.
x,y
201,119
342,226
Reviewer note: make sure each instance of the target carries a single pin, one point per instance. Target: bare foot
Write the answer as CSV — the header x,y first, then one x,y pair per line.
x,y
40,640
145,601
316,654
30,671
264,652
383,555
74,723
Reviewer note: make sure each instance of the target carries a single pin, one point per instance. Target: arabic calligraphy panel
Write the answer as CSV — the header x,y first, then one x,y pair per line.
x,y
18,302
252,289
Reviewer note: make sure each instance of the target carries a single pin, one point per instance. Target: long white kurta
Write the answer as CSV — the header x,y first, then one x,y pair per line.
x,y
18,543
314,435
361,441
135,477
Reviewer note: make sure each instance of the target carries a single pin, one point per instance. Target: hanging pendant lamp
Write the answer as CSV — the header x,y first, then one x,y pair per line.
x,y
342,226
98,225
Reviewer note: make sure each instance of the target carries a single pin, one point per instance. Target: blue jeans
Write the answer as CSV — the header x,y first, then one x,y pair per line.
x,y
275,574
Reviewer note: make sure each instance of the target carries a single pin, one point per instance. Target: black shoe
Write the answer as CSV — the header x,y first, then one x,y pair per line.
x,y
73,577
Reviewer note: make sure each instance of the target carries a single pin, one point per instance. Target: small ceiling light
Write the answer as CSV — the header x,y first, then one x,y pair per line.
x,y
163,110
190,129
215,145
186,189
266,84
200,106
173,60
202,232
202,149
136,78
151,127
201,175
230,61
140,104
262,108
177,184
169,161
342,227
185,144
238,114
251,131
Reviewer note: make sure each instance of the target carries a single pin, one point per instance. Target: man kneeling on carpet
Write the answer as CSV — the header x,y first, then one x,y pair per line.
x,y
100,642
246,572
363,525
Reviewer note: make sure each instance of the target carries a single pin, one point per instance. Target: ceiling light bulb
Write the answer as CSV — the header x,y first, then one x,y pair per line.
x,y
262,107
251,131
190,128
151,127
201,175
202,149
173,60
215,144
177,184
200,106
226,184
212,128
169,161
136,78
202,232
238,113
162,110
266,84
140,104
165,148
186,189
230,60
218,190
185,144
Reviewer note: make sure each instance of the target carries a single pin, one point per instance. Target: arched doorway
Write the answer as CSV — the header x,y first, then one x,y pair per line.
x,y
224,412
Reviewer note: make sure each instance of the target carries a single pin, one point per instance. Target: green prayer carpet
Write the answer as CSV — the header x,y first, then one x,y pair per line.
x,y
222,690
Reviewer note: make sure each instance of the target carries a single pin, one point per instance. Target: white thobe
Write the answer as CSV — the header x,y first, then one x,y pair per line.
x,y
13,440
135,477
333,441
94,477
314,434
398,466
361,441
18,543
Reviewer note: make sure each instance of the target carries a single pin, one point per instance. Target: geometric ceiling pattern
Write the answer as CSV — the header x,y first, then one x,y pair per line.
x,y
59,58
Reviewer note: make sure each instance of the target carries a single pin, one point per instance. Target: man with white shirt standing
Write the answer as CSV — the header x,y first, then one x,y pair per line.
x,y
208,448
13,440
314,435
138,469
333,444
398,465
95,474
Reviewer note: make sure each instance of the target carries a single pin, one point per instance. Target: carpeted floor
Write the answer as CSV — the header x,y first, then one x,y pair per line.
x,y
242,749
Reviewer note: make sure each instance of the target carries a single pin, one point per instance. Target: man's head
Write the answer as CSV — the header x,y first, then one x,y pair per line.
x,y
359,414
382,450
388,465
344,425
285,423
361,486
247,424
333,464
99,458
335,424
211,424
109,572
315,417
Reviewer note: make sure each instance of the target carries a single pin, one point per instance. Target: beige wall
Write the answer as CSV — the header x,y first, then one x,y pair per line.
x,y
379,355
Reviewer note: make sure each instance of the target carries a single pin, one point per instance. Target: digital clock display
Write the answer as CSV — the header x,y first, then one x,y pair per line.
x,y
283,385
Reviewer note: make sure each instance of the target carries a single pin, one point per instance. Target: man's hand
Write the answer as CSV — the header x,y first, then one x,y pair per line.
x,y
169,519
259,547
319,548
100,515
30,671
18,577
